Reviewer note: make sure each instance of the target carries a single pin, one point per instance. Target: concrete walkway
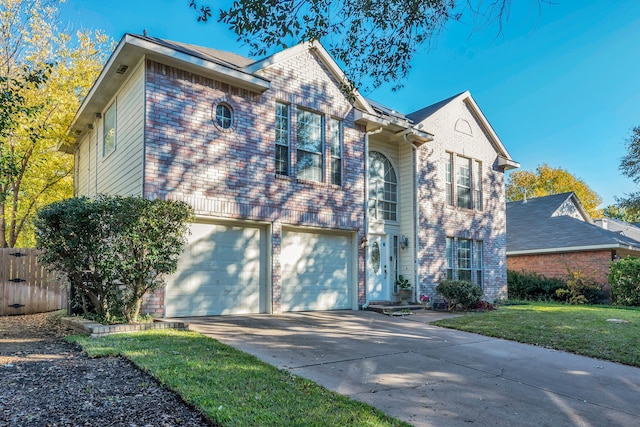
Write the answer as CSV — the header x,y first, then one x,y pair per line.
x,y
430,376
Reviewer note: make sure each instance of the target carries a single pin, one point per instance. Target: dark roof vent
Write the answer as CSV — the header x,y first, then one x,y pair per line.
x,y
122,69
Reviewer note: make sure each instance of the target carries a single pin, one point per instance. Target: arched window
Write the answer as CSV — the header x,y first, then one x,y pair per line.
x,y
383,188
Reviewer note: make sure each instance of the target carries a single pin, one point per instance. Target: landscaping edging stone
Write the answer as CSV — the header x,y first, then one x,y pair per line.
x,y
98,330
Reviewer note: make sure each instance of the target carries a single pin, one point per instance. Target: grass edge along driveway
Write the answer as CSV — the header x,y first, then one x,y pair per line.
x,y
230,387
604,332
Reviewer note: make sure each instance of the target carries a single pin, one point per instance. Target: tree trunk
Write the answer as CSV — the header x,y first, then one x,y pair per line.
x,y
3,226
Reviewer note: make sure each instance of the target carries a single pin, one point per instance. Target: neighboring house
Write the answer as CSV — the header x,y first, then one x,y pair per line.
x,y
618,226
554,236
305,198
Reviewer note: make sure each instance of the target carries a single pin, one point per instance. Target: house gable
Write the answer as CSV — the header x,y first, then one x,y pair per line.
x,y
461,119
330,66
573,208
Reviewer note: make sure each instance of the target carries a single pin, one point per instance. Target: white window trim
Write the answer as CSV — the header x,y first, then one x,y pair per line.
x,y
113,146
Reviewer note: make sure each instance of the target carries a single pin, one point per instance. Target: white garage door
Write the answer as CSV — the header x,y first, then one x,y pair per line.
x,y
220,272
316,271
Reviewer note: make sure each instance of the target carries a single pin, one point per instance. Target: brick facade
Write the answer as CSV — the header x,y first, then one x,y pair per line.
x,y
437,220
231,174
594,264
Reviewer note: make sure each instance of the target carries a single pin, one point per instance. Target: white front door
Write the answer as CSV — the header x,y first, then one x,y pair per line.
x,y
379,269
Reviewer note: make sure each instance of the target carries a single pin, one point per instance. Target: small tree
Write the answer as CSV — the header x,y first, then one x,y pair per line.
x,y
624,278
113,249
71,234
581,289
148,237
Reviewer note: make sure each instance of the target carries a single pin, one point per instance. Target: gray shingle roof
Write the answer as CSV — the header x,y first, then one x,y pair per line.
x,y
423,113
221,57
531,227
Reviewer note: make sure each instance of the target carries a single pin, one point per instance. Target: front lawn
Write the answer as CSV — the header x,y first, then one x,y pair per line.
x,y
230,387
578,329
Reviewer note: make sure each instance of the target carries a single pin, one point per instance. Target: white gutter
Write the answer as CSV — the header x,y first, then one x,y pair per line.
x,y
572,249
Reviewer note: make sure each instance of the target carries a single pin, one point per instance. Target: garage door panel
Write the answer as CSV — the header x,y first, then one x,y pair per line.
x,y
315,271
220,272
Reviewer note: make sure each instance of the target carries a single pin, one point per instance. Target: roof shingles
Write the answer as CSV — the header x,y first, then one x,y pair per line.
x,y
531,227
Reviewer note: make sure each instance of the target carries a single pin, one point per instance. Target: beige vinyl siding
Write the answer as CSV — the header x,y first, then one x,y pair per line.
x,y
407,212
121,171
82,162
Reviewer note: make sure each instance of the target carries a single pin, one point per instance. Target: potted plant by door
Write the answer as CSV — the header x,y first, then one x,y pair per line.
x,y
405,289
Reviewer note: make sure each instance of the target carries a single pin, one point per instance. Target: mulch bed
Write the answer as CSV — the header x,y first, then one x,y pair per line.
x,y
45,381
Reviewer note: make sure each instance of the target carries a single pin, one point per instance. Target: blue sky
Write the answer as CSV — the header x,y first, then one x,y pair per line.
x,y
560,84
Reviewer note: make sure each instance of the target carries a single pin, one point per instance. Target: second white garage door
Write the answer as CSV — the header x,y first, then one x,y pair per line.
x,y
316,271
222,271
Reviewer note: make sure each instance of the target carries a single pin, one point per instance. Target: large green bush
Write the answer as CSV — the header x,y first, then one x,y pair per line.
x,y
624,278
113,249
460,294
526,285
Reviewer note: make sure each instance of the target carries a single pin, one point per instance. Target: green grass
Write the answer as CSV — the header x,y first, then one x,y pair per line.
x,y
577,329
230,387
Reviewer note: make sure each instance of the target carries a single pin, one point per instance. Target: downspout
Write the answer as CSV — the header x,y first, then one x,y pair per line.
x,y
366,205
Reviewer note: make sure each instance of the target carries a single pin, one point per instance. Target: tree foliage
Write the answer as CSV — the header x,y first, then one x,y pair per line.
x,y
113,249
622,213
376,40
546,181
45,73
624,278
630,167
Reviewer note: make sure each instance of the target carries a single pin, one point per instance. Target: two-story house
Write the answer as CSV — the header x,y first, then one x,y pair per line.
x,y
305,198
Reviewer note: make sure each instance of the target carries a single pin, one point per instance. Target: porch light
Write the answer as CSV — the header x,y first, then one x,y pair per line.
x,y
364,242
404,242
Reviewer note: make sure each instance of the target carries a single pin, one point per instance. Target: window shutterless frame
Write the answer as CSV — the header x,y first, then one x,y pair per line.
x,y
282,139
109,130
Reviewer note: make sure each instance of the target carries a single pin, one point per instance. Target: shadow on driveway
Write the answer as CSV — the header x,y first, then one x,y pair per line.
x,y
431,376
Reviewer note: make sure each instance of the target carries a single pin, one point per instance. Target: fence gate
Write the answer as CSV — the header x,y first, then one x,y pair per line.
x,y
27,287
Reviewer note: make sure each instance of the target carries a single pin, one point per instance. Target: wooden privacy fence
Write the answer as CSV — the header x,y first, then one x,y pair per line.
x,y
27,287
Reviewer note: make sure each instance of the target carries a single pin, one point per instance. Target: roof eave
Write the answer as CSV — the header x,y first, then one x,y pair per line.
x,y
507,164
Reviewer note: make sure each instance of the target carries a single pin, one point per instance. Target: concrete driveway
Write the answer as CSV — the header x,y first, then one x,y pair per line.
x,y
430,376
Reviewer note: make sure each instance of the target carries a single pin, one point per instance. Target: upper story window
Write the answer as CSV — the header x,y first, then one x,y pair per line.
x,y
477,185
383,188
335,139
463,182
309,137
109,131
224,116
449,178
282,139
